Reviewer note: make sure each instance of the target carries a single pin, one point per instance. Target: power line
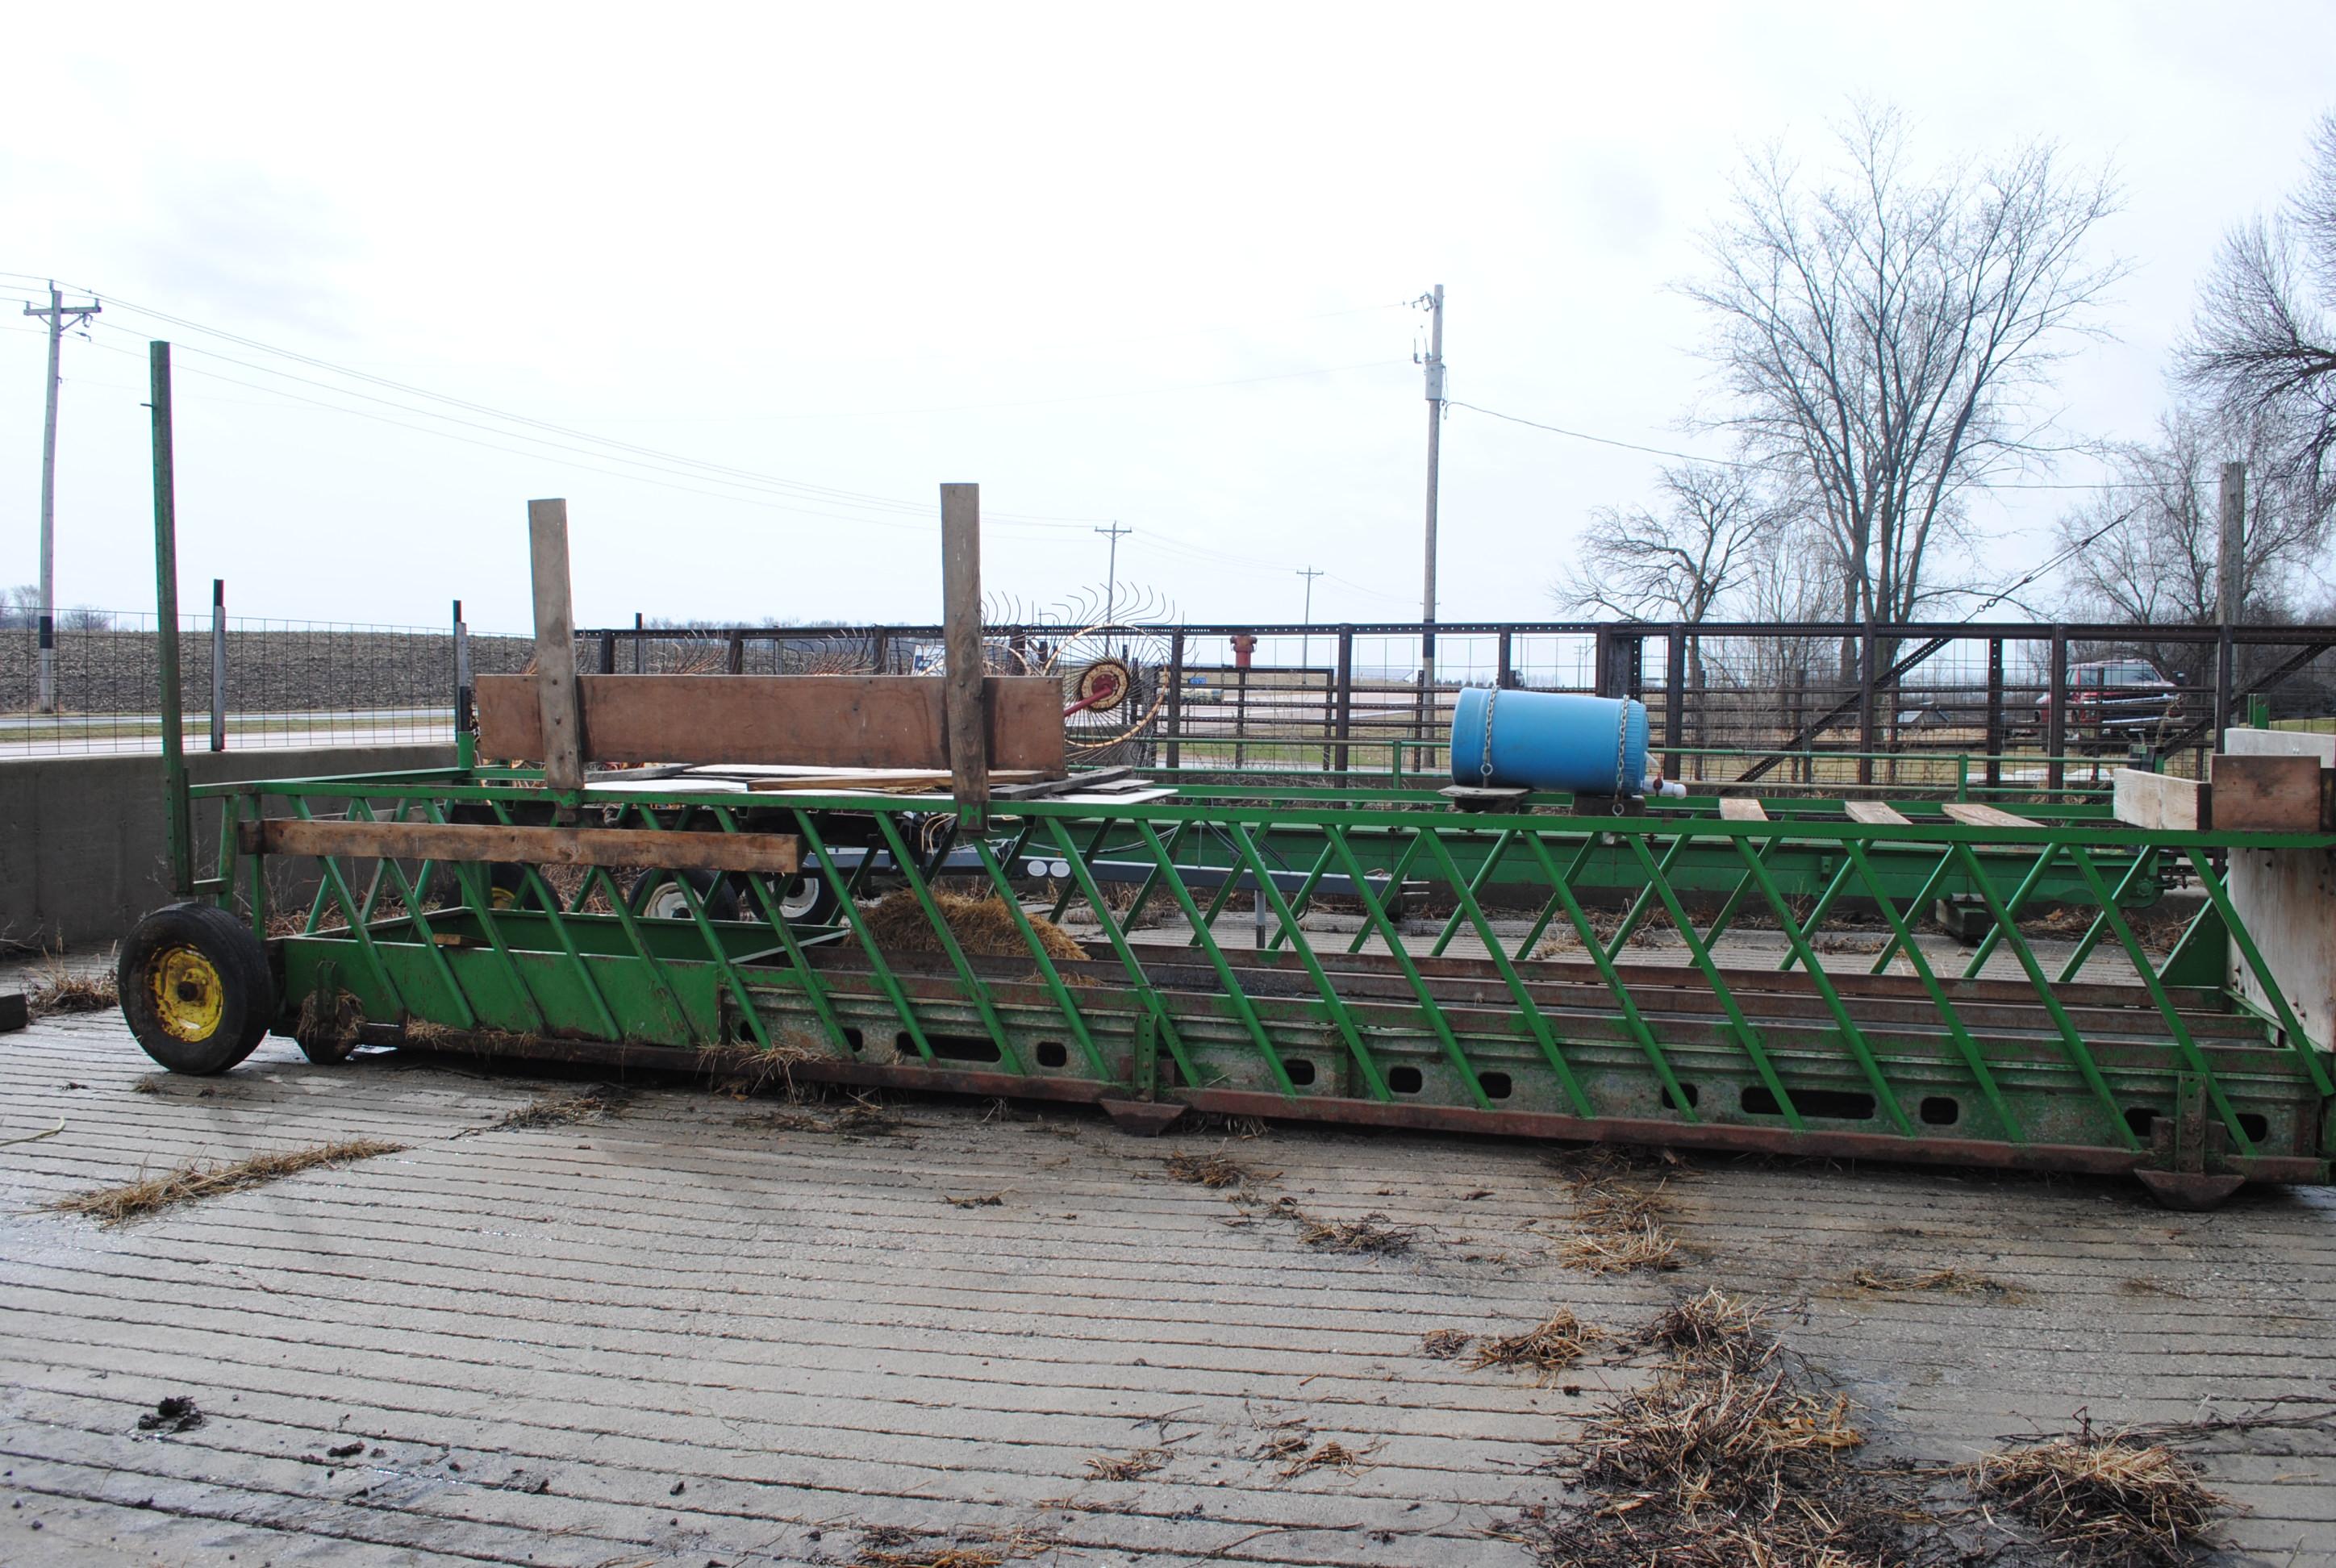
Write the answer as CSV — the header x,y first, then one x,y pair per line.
x,y
1750,466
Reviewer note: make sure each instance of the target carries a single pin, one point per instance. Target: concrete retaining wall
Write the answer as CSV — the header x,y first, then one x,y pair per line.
x,y
82,850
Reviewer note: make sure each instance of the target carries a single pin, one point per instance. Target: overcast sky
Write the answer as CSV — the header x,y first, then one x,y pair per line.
x,y
1114,263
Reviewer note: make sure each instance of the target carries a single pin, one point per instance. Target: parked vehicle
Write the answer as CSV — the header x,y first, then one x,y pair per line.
x,y
2114,700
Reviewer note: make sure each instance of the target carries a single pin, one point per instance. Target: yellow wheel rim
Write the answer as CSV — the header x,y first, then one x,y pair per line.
x,y
502,898
189,995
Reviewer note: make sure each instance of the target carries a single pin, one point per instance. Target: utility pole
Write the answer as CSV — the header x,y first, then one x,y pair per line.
x,y
1306,643
1111,572
46,692
1433,301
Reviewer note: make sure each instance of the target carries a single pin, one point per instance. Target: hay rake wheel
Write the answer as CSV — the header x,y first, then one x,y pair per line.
x,y
1113,685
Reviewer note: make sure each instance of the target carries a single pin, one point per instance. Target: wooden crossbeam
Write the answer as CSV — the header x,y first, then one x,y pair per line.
x,y
466,843
1987,817
1741,808
1875,811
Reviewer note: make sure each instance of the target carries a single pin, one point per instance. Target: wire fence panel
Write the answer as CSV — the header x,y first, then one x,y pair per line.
x,y
279,682
2014,707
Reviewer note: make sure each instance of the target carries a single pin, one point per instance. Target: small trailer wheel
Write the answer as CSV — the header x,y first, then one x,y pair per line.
x,y
807,899
196,987
658,893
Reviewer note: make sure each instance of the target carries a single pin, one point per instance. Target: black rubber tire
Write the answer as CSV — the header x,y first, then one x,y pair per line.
x,y
236,961
714,890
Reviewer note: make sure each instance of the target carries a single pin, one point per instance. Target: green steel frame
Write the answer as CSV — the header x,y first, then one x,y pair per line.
x,y
2032,1051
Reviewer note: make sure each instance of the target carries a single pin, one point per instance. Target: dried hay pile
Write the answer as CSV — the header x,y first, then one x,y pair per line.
x,y
191,1182
1727,1459
1214,1172
1618,1223
1549,1347
2108,1498
1372,1233
983,927
63,991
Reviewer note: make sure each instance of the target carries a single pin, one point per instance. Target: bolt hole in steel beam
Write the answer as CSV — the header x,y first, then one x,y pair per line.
x,y
854,1039
1404,1080
1941,1110
1692,1095
1836,1104
1497,1085
1300,1070
951,1047
1051,1054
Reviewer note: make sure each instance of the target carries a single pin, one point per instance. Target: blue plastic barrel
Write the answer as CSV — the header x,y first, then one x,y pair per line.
x,y
1549,740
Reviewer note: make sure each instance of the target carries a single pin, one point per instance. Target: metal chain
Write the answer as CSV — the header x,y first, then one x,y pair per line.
x,y
1621,751
1485,762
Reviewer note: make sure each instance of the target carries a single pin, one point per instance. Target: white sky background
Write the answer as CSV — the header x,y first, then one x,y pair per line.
x,y
873,250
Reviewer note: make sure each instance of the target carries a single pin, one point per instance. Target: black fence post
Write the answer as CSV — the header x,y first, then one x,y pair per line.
x,y
638,641
734,658
1869,648
1994,712
1674,696
607,653
2056,714
1345,696
1505,674
1176,695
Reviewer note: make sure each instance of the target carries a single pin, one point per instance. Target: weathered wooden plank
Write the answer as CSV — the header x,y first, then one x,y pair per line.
x,y
466,843
879,721
1741,808
556,707
1986,816
2317,743
909,779
964,686
1096,779
2157,800
2253,794
1873,812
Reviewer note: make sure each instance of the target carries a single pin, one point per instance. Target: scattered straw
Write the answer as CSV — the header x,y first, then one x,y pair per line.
x,y
190,1182
1331,1455
1215,1172
1367,1234
987,1201
1129,1466
1647,1247
890,1546
330,1023
550,1110
1714,1329
1444,1344
1728,1440
2105,1497
1952,1282
1549,1347
983,927
61,991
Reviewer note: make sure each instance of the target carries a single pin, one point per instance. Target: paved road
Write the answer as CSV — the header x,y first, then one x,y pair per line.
x,y
715,1331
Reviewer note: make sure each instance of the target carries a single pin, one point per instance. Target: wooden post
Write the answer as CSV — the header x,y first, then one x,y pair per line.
x,y
554,651
962,728
733,658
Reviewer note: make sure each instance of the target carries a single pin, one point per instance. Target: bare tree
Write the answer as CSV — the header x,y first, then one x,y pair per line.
x,y
1888,335
1674,566
2146,549
2264,345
